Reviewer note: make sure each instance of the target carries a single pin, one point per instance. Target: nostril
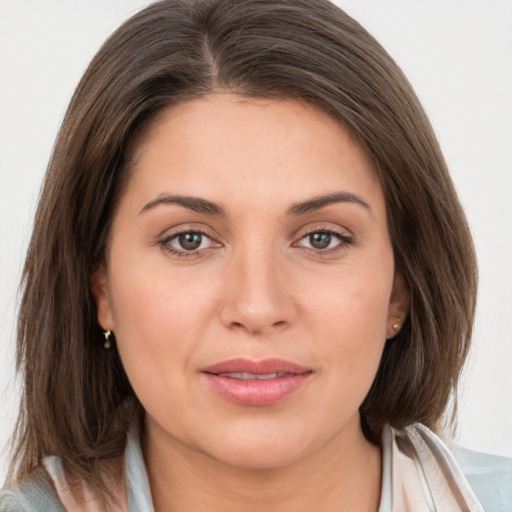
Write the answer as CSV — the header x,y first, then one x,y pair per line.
x,y
255,329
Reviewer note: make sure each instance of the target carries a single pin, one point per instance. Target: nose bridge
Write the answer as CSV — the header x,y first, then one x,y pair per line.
x,y
258,298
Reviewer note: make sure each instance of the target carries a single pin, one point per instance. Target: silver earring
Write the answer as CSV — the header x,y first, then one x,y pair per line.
x,y
107,335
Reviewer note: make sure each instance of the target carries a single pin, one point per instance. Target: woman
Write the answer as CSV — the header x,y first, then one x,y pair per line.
x,y
230,297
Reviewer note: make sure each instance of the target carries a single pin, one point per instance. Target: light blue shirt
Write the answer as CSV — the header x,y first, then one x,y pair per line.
x,y
419,473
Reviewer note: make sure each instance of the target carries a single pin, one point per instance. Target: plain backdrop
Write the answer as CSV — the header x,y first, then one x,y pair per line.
x,y
456,53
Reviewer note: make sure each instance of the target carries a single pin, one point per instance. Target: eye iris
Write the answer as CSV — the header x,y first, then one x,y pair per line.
x,y
320,240
190,241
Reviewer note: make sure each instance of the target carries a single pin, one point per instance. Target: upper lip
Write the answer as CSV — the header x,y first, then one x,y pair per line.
x,y
262,367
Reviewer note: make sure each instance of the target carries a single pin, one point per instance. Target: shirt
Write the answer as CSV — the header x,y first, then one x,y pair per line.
x,y
419,474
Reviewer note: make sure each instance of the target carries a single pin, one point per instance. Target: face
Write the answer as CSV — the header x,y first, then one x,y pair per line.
x,y
250,280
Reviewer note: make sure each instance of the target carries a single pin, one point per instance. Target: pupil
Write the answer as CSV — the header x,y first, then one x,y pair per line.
x,y
190,241
320,240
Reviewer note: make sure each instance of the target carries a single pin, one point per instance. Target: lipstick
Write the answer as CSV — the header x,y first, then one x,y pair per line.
x,y
257,383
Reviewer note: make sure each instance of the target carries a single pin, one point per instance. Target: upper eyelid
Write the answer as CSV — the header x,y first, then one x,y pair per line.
x,y
329,228
174,235
190,228
166,242
298,235
343,239
167,238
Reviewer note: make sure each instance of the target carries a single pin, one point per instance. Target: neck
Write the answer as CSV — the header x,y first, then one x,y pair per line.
x,y
345,474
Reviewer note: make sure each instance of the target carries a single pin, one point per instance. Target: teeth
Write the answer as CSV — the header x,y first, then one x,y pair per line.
x,y
252,376
267,376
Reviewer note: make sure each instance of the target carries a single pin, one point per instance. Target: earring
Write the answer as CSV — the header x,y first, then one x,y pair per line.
x,y
396,325
107,335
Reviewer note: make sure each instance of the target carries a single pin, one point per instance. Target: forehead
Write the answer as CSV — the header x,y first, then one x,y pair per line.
x,y
226,146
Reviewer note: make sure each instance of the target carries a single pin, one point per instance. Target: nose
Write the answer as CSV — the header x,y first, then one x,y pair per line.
x,y
257,294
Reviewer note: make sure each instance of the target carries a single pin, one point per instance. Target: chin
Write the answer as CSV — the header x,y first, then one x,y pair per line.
x,y
260,448
258,457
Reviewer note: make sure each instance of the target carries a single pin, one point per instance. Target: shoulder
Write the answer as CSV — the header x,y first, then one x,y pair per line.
x,y
488,476
36,494
47,489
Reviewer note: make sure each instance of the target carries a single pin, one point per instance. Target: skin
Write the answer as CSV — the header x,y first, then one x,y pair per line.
x,y
256,288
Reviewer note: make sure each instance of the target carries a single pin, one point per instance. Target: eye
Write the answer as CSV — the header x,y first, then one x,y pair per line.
x,y
187,243
324,240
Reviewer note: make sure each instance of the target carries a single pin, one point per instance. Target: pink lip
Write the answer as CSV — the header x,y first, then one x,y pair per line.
x,y
254,391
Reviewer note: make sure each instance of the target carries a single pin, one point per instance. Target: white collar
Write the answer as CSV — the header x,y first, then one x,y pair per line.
x,y
418,473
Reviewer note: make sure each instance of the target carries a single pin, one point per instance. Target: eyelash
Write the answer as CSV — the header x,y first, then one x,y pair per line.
x,y
344,241
165,243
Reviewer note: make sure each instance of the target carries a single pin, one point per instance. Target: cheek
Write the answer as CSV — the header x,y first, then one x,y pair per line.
x,y
159,320
349,317
154,299
353,308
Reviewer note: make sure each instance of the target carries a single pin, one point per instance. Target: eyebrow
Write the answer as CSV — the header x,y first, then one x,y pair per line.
x,y
316,203
201,205
196,204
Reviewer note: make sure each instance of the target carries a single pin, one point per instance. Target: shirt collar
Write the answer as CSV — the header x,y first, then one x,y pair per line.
x,y
418,473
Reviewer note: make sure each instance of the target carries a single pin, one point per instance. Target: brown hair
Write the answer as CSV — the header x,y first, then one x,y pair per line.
x,y
77,401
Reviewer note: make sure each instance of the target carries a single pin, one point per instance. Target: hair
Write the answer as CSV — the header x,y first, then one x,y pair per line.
x,y
77,401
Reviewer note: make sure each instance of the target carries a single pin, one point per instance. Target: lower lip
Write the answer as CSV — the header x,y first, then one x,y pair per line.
x,y
256,392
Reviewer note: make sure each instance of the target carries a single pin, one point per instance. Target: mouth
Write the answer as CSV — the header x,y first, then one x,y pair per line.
x,y
255,383
252,376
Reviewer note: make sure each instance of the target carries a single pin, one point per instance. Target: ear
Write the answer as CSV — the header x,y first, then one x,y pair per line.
x,y
398,306
101,296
